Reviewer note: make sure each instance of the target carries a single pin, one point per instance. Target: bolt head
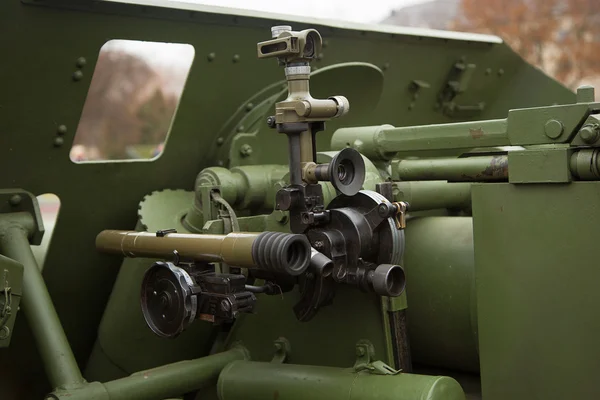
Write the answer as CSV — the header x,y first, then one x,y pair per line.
x,y
589,134
220,141
383,210
61,130
58,141
77,75
81,61
271,122
246,150
236,58
553,128
15,200
211,56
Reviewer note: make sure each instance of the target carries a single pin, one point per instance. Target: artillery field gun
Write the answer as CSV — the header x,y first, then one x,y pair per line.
x,y
422,228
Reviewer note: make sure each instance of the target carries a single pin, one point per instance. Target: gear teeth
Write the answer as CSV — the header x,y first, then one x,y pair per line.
x,y
149,214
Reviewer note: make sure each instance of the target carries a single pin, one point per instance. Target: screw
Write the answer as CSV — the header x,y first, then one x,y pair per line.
x,y
236,58
383,210
58,141
15,200
553,128
62,129
77,75
246,150
271,122
249,106
318,245
211,56
240,128
500,72
81,61
220,141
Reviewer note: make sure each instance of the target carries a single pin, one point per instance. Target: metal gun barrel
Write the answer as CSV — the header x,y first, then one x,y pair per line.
x,y
272,251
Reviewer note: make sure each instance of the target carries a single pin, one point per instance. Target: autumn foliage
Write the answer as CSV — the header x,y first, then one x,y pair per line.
x,y
562,37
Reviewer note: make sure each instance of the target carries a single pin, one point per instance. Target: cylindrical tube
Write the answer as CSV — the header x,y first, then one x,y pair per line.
x,y
59,362
432,195
585,164
173,379
383,142
467,169
442,312
273,251
247,380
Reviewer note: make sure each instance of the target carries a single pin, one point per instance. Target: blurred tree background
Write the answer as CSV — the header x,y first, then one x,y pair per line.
x,y
129,107
561,37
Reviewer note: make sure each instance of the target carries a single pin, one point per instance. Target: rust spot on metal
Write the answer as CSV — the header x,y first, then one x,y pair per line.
x,y
498,168
476,133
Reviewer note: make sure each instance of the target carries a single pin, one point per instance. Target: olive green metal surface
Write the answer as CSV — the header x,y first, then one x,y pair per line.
x,y
536,274
442,304
393,76
246,380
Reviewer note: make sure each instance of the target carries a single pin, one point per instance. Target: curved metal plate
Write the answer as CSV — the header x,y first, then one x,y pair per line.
x,y
360,82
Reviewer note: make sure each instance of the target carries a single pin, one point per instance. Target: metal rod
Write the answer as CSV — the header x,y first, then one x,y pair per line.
x,y
173,379
433,195
467,169
384,142
59,362
275,251
295,157
189,246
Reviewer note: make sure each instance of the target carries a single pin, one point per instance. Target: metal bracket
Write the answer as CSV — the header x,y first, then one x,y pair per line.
x,y
400,216
457,83
282,350
19,201
365,352
11,281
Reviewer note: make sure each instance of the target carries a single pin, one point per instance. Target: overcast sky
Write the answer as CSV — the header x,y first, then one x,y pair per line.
x,y
365,11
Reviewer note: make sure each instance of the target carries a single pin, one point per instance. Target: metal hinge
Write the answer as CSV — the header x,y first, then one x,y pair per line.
x,y
365,352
